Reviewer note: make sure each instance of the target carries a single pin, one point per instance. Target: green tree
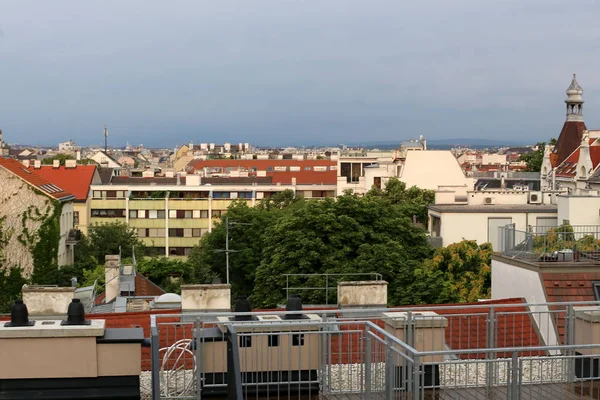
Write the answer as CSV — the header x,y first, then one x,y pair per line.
x,y
347,235
11,282
105,239
246,238
457,273
167,273
534,159
412,201
60,157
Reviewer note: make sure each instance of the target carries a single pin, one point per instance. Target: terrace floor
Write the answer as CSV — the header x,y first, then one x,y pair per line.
x,y
553,391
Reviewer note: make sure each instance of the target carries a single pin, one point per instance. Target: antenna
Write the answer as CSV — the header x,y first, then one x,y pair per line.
x,y
105,139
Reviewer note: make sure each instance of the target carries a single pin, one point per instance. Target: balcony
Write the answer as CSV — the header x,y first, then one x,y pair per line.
x,y
543,244
481,351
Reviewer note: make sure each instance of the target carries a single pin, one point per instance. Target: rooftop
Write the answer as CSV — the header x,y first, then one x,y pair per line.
x,y
34,179
495,208
75,180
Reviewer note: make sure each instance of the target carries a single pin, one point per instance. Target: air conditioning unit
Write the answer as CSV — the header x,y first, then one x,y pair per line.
x,y
488,200
535,198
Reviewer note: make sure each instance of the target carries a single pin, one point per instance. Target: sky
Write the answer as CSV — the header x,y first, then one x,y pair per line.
x,y
283,72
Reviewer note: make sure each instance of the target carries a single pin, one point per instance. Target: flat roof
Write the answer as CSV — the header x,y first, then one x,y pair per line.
x,y
494,208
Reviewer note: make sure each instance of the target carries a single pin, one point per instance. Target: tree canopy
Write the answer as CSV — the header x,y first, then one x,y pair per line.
x,y
534,159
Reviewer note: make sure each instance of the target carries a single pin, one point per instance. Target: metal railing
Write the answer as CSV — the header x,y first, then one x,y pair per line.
x,y
307,282
551,244
488,350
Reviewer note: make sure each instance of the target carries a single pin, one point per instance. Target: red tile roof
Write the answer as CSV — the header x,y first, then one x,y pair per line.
x,y
36,180
568,140
568,287
75,180
303,177
568,168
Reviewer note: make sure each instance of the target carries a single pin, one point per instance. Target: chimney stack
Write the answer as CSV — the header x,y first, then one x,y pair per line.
x,y
111,274
26,163
55,164
37,164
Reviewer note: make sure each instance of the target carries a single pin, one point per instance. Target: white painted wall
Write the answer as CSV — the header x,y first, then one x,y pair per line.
x,y
456,227
432,168
509,281
579,210
487,159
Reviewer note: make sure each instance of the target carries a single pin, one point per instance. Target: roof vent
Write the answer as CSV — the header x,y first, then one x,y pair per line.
x,y
19,316
242,305
76,314
294,303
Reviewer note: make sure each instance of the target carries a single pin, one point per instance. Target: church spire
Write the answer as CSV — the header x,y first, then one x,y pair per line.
x,y
574,101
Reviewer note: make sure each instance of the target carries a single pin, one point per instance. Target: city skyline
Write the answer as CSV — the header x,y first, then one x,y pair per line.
x,y
292,73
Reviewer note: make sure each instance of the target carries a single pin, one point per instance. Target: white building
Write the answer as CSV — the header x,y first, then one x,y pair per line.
x,y
411,163
67,146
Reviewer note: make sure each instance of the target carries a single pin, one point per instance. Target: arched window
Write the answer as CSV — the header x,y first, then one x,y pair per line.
x,y
582,171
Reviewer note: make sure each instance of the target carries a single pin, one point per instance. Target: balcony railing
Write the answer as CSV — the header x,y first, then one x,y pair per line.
x,y
580,243
489,350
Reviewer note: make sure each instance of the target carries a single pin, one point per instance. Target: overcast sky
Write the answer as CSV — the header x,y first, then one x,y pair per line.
x,y
282,72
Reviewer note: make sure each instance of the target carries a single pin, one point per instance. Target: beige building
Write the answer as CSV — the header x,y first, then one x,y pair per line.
x,y
29,201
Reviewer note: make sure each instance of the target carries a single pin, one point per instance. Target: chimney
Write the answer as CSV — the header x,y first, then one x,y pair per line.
x,y
208,297
55,164
78,155
362,294
423,331
26,163
37,164
47,300
111,274
70,163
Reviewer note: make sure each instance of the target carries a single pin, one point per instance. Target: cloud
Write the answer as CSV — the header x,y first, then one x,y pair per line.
x,y
293,71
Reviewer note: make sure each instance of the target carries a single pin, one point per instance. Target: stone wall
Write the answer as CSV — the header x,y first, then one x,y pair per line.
x,y
16,196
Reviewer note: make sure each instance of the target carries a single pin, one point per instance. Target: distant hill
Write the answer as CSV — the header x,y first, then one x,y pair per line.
x,y
445,143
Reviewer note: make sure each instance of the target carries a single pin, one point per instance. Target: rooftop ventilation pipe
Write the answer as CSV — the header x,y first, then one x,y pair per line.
x,y
242,305
76,314
294,303
19,316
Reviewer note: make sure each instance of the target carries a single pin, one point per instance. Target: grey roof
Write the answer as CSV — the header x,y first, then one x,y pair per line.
x,y
105,174
494,208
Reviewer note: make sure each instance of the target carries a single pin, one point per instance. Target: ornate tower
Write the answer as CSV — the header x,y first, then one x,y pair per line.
x,y
574,101
572,131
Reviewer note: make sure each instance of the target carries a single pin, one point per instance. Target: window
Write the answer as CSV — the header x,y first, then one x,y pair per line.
x,y
196,214
203,213
298,340
269,169
120,194
218,213
187,232
196,232
172,213
132,213
245,195
596,287
245,341
161,214
307,168
176,232
75,217
188,214
152,214
108,213
221,195
152,232
273,340
142,232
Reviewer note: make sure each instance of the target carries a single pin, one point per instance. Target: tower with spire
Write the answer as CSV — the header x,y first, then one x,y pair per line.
x,y
574,126
574,101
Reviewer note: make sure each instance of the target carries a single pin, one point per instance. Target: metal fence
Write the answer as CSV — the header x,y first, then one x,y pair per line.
x,y
489,350
322,288
551,244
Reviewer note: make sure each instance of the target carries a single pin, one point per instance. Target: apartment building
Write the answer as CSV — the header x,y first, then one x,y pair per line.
x,y
170,214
